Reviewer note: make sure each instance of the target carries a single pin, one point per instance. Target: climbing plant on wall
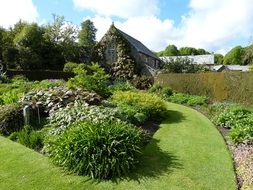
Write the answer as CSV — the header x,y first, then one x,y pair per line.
x,y
125,66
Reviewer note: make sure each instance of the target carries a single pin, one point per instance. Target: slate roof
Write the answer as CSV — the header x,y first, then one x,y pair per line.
x,y
197,59
138,45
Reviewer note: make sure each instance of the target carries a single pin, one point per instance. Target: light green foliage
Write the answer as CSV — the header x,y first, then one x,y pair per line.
x,y
63,118
187,99
121,86
186,146
70,66
104,150
231,115
251,67
240,122
171,50
234,56
139,106
95,80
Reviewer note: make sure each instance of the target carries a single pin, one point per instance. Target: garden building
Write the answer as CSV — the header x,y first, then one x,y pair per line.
x,y
124,56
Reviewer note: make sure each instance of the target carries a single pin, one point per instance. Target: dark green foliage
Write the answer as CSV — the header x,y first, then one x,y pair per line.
x,y
248,55
29,138
11,119
218,59
114,53
96,80
102,151
190,100
181,65
87,35
164,92
234,56
188,51
142,82
138,107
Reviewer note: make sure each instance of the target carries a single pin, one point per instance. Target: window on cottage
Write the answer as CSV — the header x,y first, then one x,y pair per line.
x,y
112,53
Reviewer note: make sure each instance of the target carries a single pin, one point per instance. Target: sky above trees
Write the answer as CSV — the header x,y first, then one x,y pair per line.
x,y
215,25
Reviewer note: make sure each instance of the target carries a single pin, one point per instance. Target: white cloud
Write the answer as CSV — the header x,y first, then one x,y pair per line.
x,y
12,11
210,24
120,8
214,24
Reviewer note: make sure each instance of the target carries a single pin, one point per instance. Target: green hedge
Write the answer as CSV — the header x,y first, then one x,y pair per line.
x,y
225,86
11,118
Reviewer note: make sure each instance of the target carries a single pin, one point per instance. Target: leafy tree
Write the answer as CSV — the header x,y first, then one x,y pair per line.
x,y
248,55
218,59
171,50
251,68
63,35
188,51
87,35
87,40
201,51
234,56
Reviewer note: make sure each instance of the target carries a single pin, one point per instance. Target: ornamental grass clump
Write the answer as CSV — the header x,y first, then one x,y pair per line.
x,y
99,150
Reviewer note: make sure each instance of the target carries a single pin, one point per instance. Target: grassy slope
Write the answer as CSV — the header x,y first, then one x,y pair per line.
x,y
187,152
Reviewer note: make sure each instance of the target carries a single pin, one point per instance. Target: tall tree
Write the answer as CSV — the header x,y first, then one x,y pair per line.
x,y
171,50
234,56
218,59
87,35
63,35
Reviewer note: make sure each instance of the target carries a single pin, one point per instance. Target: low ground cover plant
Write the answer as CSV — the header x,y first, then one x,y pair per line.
x,y
64,117
187,99
100,150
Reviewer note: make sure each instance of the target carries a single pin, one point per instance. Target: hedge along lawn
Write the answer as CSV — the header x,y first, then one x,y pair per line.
x,y
187,152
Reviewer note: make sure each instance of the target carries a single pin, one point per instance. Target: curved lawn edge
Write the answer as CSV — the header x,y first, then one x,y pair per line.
x,y
187,152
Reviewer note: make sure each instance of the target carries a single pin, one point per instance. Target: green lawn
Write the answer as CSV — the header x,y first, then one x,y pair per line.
x,y
187,152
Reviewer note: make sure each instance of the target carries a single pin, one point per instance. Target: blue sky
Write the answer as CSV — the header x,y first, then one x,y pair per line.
x,y
215,25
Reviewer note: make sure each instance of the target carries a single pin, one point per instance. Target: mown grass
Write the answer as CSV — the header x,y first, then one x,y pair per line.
x,y
187,152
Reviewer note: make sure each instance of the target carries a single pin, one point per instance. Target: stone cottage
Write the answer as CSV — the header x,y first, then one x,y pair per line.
x,y
124,56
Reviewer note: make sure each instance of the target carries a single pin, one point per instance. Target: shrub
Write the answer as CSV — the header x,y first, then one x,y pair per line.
x,y
121,86
28,137
11,118
64,117
190,100
131,103
229,117
164,92
96,80
103,150
142,82
70,66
